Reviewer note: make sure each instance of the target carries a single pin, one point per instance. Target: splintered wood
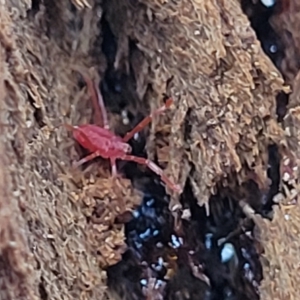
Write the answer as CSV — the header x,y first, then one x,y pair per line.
x,y
213,66
280,239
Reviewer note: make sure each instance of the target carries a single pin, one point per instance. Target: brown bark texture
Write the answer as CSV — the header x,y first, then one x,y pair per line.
x,y
202,53
220,79
280,237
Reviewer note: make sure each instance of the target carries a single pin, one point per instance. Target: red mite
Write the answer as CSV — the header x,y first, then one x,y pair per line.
x,y
100,141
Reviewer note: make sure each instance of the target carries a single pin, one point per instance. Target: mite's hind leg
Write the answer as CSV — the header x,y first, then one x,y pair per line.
x,y
113,167
100,118
100,107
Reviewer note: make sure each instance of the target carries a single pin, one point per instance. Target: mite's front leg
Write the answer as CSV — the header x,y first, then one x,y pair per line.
x,y
86,159
156,169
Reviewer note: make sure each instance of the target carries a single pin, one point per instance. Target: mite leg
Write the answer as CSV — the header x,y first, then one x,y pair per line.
x,y
100,107
86,159
97,100
113,167
147,120
68,127
155,168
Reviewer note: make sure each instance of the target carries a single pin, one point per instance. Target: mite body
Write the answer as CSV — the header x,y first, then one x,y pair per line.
x,y
100,141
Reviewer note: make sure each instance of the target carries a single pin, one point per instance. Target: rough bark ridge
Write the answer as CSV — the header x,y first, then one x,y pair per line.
x,y
224,89
48,249
280,236
220,79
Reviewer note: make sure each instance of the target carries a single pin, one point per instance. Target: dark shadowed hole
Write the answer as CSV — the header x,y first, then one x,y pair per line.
x,y
38,114
259,16
42,291
282,100
35,7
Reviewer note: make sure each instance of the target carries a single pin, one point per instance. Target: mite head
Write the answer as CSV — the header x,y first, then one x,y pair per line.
x,y
126,148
